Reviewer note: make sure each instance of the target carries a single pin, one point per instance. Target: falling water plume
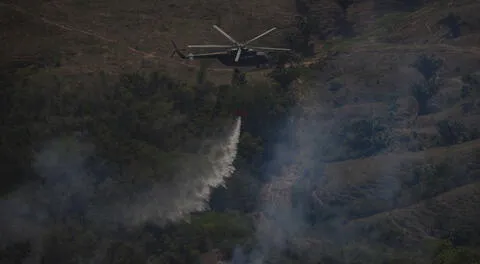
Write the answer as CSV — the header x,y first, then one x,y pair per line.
x,y
191,188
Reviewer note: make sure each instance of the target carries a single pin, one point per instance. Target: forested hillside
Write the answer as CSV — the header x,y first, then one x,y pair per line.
x,y
364,148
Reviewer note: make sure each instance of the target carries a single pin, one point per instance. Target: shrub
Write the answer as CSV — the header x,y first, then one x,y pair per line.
x,y
428,66
393,107
431,179
365,137
471,85
471,79
423,91
453,23
452,132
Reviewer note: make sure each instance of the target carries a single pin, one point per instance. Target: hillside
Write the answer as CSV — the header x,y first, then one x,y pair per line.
x,y
402,154
367,151
87,37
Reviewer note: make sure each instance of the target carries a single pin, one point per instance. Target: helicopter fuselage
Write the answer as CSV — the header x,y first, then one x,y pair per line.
x,y
248,58
236,55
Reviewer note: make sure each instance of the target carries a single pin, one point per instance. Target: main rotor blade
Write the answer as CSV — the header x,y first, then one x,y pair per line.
x,y
225,34
238,54
210,46
261,35
268,48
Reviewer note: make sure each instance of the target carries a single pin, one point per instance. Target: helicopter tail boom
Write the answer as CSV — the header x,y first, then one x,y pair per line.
x,y
177,51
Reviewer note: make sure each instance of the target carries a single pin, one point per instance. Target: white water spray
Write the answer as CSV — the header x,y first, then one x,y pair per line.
x,y
191,187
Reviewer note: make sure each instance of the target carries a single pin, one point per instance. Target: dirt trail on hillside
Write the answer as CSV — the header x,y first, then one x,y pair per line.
x,y
361,47
66,27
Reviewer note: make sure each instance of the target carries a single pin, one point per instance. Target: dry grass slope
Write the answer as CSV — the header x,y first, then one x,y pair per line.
x,y
381,195
113,36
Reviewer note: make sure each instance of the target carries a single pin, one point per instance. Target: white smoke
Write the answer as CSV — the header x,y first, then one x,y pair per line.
x,y
238,256
28,213
70,188
66,186
283,222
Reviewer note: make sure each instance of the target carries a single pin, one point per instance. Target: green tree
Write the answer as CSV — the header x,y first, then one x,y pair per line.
x,y
364,137
452,132
453,23
428,66
423,91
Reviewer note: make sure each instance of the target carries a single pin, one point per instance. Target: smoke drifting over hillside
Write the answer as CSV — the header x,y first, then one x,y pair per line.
x,y
293,161
70,187
295,172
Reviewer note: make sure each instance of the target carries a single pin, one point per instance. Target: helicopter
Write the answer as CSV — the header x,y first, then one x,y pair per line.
x,y
237,55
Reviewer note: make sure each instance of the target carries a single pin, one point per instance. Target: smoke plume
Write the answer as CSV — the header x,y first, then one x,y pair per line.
x,y
295,171
70,188
283,221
